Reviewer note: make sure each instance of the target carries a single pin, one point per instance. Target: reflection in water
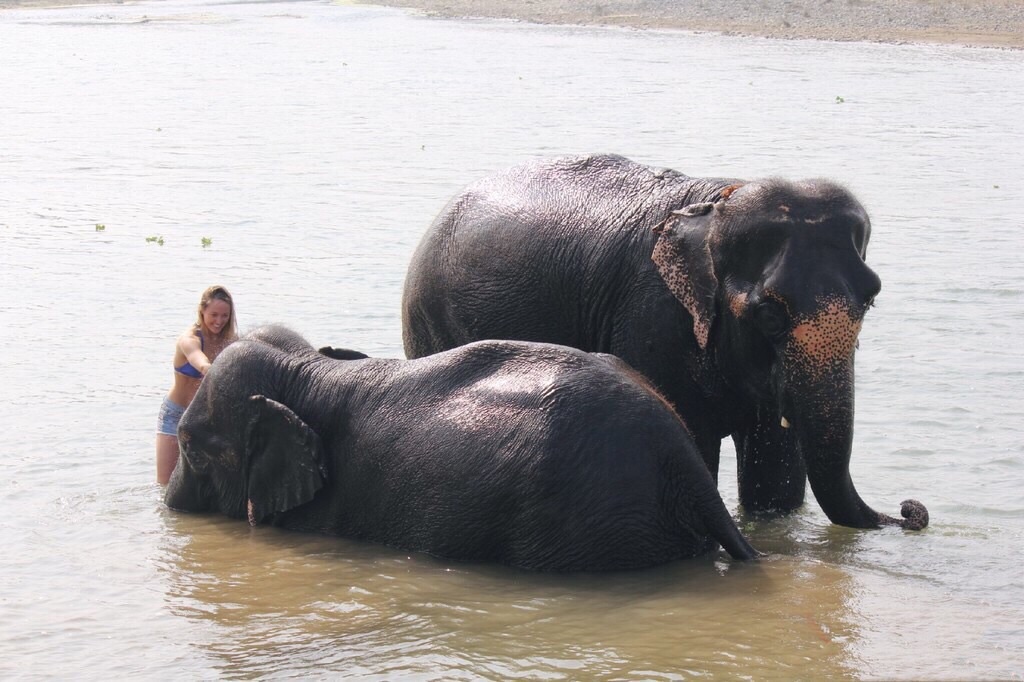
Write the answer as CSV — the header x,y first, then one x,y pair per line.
x,y
281,602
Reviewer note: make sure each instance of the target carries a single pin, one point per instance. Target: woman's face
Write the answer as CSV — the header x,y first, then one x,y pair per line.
x,y
216,314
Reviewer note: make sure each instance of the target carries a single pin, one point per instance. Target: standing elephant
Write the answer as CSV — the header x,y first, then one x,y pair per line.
x,y
741,301
532,455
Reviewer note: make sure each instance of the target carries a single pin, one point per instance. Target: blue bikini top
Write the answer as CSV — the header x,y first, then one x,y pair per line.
x,y
187,369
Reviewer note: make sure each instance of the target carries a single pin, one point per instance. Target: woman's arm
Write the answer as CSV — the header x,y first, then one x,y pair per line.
x,y
193,352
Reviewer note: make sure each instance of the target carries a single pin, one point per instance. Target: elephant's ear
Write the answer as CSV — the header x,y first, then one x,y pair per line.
x,y
285,460
683,258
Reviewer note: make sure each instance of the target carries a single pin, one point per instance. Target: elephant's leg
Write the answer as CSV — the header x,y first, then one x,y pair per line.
x,y
710,446
770,470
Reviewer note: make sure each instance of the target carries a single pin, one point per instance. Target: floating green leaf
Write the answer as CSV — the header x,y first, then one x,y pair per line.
x,y
206,242
159,240
839,100
100,227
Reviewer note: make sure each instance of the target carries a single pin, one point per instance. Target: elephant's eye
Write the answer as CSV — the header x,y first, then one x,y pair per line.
x,y
771,319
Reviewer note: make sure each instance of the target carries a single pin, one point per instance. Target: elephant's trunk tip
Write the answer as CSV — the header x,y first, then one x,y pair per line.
x,y
915,516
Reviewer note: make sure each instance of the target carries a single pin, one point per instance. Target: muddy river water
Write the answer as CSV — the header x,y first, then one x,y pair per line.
x,y
295,152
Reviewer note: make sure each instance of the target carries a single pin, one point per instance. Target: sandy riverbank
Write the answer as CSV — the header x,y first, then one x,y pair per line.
x,y
989,23
983,23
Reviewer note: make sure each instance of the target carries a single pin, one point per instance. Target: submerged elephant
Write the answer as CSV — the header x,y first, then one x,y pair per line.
x,y
741,301
532,455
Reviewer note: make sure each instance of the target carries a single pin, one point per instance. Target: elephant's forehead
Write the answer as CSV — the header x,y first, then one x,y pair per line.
x,y
811,203
786,211
827,336
783,213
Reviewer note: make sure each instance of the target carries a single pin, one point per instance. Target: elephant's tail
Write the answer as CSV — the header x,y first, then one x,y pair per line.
x,y
722,527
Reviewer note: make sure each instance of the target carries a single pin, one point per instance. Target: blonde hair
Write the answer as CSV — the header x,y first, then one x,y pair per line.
x,y
218,293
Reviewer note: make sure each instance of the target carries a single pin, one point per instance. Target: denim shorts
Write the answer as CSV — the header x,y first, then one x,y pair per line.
x,y
168,417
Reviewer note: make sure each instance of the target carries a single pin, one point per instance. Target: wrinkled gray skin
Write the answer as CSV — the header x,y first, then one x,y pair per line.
x,y
741,301
531,455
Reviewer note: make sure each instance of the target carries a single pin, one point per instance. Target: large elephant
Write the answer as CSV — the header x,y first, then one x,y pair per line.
x,y
741,301
532,455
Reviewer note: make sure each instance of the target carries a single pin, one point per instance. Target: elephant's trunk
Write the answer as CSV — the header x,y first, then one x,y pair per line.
x,y
825,427
820,401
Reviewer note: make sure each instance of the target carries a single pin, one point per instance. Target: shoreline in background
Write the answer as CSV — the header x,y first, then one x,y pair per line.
x,y
975,23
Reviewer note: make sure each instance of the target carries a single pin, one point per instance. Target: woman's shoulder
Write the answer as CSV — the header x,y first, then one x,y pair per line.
x,y
190,335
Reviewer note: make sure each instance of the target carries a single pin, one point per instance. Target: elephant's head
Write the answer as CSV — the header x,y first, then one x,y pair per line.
x,y
773,274
241,453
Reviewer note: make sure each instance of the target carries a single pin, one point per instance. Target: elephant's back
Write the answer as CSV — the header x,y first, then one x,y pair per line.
x,y
528,377
585,193
585,200
539,252
551,389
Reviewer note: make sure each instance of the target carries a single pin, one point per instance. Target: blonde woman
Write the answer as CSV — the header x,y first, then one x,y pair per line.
x,y
195,350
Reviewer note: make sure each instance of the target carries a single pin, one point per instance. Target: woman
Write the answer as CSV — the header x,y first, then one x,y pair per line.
x,y
194,352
